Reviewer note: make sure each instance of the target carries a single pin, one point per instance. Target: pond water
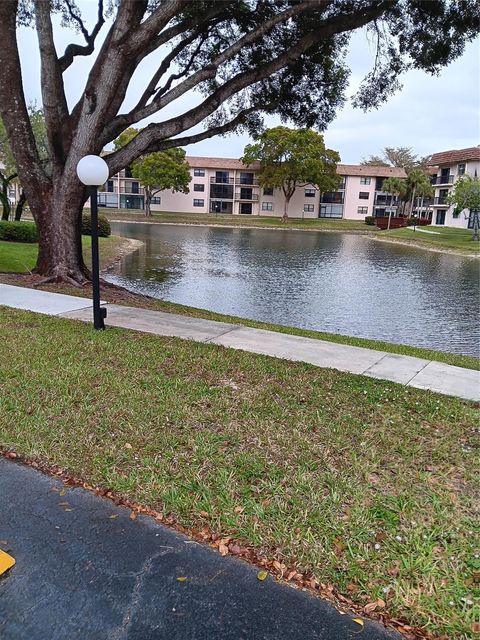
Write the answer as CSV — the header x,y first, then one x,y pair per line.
x,y
335,282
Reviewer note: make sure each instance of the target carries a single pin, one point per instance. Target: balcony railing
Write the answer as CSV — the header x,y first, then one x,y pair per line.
x,y
443,179
220,180
440,200
385,201
247,181
251,196
128,189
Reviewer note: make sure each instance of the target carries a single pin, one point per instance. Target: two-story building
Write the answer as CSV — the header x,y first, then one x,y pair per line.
x,y
447,167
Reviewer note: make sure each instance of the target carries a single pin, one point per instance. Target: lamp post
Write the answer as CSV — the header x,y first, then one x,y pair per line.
x,y
414,216
93,171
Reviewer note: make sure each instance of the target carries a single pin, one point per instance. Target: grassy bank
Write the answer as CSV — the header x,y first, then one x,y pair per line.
x,y
246,221
20,257
440,238
367,484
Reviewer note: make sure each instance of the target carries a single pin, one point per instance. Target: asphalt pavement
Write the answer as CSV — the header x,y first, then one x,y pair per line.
x,y
85,571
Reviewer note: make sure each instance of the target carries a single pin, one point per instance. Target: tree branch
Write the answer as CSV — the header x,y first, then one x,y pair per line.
x,y
74,50
13,108
53,94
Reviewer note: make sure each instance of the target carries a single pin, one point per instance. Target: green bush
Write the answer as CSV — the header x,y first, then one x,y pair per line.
x,y
18,231
370,220
104,229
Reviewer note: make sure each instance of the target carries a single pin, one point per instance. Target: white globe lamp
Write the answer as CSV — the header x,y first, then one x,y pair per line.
x,y
93,171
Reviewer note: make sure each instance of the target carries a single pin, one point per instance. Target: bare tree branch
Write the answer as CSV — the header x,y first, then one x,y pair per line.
x,y
74,50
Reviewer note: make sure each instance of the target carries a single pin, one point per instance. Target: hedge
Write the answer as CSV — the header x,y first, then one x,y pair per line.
x,y
104,229
18,231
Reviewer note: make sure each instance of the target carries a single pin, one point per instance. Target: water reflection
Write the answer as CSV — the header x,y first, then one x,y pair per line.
x,y
335,282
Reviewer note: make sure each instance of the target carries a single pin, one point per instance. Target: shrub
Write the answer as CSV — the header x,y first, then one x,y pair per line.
x,y
18,231
104,229
370,220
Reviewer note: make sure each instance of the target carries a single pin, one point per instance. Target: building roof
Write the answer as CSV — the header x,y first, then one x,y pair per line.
x,y
219,163
455,155
342,169
370,171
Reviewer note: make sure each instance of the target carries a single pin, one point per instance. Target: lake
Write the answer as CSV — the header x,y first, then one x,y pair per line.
x,y
336,282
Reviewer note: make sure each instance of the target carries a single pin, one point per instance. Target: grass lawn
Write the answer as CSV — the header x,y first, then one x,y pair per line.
x,y
239,220
20,257
367,484
444,237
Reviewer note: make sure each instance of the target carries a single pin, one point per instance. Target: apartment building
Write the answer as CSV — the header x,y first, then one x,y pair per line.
x,y
447,167
226,185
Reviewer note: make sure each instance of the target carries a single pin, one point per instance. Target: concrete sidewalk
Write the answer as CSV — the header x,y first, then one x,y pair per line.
x,y
407,370
86,571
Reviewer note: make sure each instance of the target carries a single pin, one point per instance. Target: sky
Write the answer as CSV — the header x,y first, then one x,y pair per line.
x,y
430,113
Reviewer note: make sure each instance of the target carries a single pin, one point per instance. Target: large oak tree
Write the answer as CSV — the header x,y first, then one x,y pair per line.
x,y
244,57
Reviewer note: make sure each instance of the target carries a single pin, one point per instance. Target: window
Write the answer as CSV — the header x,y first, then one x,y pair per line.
x,y
308,207
309,193
365,180
156,200
135,187
223,177
363,195
198,203
363,211
128,172
110,186
461,169
456,213
333,197
267,206
199,187
220,206
268,191
440,218
199,172
223,191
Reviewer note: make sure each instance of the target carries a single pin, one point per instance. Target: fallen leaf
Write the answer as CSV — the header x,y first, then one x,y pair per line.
x,y
6,562
239,509
380,603
181,578
68,509
358,621
223,549
371,606
133,515
127,445
204,514
62,492
11,454
476,627
393,571
380,535
235,549
115,515
262,575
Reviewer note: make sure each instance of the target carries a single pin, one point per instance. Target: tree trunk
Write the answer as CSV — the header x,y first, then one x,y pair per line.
x,y
5,201
58,213
412,201
285,207
148,200
20,204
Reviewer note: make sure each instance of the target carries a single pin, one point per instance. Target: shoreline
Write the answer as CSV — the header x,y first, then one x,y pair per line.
x,y
233,226
425,247
370,234
128,245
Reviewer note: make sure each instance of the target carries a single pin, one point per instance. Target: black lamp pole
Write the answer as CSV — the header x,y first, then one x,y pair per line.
x,y
99,313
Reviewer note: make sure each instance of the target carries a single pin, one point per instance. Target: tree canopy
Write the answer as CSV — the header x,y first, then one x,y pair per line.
x,y
293,157
466,193
402,157
243,59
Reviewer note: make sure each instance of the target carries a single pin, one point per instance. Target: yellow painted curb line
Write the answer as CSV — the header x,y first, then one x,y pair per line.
x,y
6,562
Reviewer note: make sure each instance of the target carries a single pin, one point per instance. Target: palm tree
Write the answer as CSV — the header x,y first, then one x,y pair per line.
x,y
424,190
416,179
395,187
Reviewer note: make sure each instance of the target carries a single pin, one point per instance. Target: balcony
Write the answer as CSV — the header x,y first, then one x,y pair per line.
x,y
247,181
443,179
440,200
385,201
220,180
252,197
128,189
